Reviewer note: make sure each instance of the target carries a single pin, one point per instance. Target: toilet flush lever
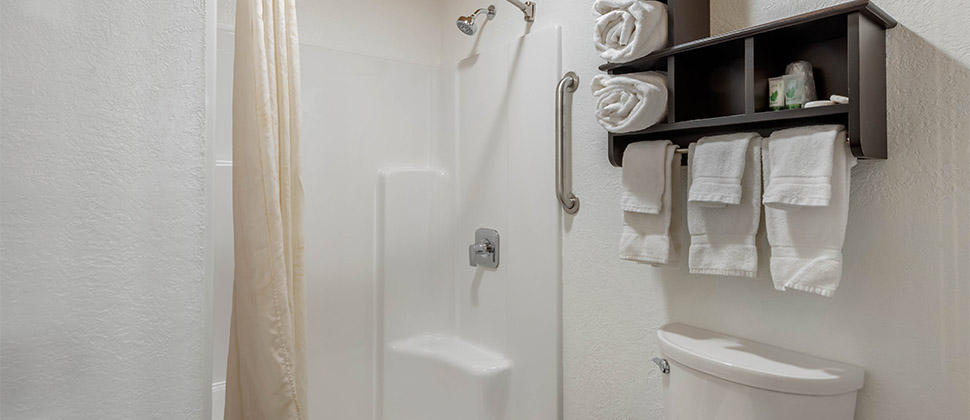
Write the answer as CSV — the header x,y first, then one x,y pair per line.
x,y
484,252
663,365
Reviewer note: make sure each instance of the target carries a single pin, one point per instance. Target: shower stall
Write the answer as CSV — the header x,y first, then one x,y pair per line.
x,y
415,137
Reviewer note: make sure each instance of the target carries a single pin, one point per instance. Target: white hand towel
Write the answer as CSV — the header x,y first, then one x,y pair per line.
x,y
631,102
801,166
719,164
644,179
806,242
646,237
723,239
629,29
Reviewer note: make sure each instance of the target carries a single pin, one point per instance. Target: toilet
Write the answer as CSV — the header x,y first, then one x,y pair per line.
x,y
712,376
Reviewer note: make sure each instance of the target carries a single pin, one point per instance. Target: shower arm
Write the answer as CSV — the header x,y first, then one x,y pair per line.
x,y
489,12
528,9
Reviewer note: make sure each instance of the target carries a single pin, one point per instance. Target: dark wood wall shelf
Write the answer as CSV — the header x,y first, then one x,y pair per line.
x,y
719,84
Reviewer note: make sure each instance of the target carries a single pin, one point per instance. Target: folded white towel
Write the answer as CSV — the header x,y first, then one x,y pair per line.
x,y
806,242
801,166
644,179
646,237
629,29
723,239
630,102
719,164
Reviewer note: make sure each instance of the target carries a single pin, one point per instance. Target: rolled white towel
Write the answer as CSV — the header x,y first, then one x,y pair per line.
x,y
631,102
629,29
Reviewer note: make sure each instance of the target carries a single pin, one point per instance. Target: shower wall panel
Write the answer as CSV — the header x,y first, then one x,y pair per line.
x,y
360,114
220,198
506,181
364,114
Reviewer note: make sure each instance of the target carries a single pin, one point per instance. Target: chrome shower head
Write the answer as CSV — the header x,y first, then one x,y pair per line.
x,y
466,24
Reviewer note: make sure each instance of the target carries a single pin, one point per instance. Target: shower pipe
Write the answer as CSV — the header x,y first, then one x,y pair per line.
x,y
564,143
528,9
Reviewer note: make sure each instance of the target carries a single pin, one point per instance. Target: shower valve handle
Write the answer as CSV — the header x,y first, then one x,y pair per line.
x,y
484,247
484,252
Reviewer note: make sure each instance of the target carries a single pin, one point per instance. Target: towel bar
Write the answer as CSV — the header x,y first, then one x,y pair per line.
x,y
685,151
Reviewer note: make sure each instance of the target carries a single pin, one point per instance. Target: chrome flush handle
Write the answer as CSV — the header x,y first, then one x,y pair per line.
x,y
663,365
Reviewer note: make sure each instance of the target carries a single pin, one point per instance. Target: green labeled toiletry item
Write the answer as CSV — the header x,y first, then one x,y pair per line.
x,y
776,93
794,90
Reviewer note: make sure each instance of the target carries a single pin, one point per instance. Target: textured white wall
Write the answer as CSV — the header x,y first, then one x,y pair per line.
x,y
902,311
102,209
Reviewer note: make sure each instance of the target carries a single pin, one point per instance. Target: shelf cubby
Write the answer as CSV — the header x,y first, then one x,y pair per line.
x,y
705,82
719,84
822,42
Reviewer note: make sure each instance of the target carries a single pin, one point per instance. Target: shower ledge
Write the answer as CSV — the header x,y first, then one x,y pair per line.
x,y
455,352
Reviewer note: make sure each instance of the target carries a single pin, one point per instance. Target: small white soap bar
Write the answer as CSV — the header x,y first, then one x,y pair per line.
x,y
815,104
839,99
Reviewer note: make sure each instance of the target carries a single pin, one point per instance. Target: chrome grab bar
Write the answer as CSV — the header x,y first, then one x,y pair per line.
x,y
564,143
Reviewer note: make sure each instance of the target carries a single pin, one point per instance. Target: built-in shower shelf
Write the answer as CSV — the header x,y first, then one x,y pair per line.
x,y
719,84
454,352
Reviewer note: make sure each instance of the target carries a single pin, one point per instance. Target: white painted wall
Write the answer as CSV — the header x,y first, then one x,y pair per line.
x,y
400,30
902,310
102,210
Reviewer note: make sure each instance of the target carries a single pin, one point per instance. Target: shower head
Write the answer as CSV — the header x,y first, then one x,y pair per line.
x,y
466,24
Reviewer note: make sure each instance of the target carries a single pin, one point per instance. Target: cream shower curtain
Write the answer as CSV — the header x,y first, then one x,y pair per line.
x,y
266,379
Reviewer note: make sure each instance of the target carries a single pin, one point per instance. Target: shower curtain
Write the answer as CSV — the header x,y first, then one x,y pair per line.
x,y
266,378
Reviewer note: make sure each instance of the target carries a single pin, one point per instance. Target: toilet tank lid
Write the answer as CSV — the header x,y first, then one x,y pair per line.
x,y
757,365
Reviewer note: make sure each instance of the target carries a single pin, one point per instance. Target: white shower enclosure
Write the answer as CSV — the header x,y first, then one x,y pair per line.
x,y
402,164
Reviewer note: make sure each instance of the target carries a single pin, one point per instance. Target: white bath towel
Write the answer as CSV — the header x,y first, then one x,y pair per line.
x,y
723,239
801,166
629,29
630,102
646,237
719,164
806,242
677,212
644,176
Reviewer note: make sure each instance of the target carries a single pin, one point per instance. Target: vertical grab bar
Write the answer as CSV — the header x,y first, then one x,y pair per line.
x,y
564,143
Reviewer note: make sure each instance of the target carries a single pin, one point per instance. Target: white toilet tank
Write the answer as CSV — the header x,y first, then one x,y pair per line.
x,y
718,377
